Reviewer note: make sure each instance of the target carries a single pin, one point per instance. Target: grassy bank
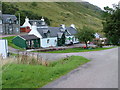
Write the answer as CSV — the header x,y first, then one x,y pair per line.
x,y
71,50
35,76
11,44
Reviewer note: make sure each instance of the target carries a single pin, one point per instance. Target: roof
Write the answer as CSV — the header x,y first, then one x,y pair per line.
x,y
72,30
55,31
38,22
5,18
29,37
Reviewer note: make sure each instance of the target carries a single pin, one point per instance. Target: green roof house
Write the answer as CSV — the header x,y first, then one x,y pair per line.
x,y
27,41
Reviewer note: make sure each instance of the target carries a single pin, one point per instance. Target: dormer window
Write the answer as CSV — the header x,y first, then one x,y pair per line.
x,y
46,33
15,21
9,20
48,41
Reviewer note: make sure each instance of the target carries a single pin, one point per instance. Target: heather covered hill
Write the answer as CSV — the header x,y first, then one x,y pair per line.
x,y
56,13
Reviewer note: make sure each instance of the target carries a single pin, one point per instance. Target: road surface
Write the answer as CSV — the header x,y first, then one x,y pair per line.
x,y
101,72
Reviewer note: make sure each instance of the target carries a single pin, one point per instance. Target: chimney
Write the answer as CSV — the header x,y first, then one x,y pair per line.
x,y
34,26
42,19
63,26
26,19
73,26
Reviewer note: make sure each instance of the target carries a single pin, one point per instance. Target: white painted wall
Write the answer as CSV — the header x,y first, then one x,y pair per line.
x,y
26,23
67,41
43,42
34,31
3,48
97,35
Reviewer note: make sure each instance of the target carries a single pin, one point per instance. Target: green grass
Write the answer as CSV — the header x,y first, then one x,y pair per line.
x,y
36,76
71,50
11,44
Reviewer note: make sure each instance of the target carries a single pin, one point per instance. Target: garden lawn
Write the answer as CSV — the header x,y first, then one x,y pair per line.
x,y
11,44
36,76
71,50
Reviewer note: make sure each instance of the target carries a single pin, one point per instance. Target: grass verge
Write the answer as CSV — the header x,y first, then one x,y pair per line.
x,y
36,76
71,50
11,44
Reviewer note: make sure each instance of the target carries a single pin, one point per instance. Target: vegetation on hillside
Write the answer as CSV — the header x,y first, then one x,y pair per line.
x,y
57,13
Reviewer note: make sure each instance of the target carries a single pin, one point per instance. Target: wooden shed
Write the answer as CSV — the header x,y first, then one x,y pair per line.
x,y
27,41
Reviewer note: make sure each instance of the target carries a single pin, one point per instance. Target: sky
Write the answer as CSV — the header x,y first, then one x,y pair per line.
x,y
103,3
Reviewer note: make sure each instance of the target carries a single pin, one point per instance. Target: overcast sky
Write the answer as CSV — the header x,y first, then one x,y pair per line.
x,y
103,3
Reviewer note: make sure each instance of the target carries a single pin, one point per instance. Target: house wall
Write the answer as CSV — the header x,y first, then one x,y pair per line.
x,y
70,39
35,32
10,29
25,29
3,48
52,42
1,31
19,42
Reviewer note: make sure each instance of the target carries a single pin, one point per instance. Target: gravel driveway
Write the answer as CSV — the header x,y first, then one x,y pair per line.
x,y
101,72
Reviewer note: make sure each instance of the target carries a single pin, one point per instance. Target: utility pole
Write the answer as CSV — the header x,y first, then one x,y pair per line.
x,y
1,26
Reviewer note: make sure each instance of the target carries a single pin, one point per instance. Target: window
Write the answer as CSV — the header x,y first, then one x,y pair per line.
x,y
55,40
17,30
9,20
29,43
32,42
69,38
48,41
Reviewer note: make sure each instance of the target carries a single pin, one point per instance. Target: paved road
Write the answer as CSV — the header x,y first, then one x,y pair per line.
x,y
101,72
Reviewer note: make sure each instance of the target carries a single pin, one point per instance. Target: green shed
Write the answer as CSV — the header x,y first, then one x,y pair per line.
x,y
27,41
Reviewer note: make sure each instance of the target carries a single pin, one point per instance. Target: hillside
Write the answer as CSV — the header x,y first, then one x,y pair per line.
x,y
80,14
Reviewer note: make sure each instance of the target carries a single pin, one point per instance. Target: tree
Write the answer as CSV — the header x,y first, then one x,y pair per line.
x,y
86,34
111,26
9,8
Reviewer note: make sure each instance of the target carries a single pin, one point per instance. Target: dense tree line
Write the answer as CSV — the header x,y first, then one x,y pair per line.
x,y
13,9
111,26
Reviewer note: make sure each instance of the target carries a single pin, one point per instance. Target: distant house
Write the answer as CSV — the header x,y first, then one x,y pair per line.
x,y
27,41
51,36
99,37
9,24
